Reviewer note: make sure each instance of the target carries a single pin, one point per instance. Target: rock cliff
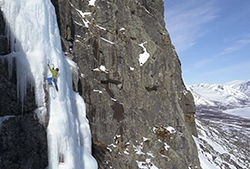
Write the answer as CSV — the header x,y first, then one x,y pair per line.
x,y
140,112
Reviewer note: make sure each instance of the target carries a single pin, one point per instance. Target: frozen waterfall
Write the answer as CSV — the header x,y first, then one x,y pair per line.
x,y
34,39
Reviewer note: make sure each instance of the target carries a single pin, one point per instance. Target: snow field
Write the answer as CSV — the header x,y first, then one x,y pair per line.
x,y
212,148
242,112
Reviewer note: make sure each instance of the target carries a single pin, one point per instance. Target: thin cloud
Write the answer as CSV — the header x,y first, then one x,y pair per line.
x,y
238,45
244,42
240,70
203,63
222,75
185,22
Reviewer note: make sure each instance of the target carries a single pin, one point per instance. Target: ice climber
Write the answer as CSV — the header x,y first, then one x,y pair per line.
x,y
54,77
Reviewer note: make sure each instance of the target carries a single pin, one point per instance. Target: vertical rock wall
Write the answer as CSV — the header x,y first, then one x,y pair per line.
x,y
140,113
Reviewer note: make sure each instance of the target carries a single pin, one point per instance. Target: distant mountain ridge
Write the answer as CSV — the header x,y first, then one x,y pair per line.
x,y
243,86
222,119
224,96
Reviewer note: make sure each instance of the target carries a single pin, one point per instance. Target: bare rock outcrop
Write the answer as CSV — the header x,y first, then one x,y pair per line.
x,y
130,77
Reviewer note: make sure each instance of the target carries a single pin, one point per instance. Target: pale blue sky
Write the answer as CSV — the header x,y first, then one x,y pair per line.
x,y
211,37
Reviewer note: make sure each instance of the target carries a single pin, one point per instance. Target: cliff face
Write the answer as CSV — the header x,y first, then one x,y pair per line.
x,y
130,77
141,114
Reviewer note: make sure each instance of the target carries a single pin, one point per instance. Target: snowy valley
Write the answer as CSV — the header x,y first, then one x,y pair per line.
x,y
223,121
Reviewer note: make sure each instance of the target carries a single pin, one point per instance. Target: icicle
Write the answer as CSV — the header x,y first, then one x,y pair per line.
x,y
10,60
24,76
22,36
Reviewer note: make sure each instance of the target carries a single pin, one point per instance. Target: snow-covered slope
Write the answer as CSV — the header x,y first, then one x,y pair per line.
x,y
223,145
35,40
242,86
223,120
217,95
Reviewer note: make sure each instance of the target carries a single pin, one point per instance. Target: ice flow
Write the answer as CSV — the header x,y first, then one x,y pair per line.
x,y
34,40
